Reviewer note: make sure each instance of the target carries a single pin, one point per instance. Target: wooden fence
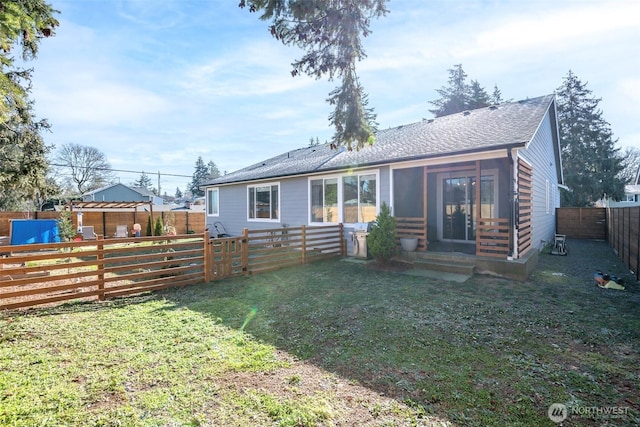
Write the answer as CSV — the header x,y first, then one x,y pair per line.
x,y
105,222
39,274
582,223
623,230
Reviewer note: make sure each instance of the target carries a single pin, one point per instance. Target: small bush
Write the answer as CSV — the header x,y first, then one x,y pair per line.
x,y
382,238
159,228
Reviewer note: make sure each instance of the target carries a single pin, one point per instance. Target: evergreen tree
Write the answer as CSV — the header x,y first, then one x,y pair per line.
x,y
382,238
213,170
591,163
143,182
460,96
330,33
178,193
478,97
200,175
496,96
23,153
455,97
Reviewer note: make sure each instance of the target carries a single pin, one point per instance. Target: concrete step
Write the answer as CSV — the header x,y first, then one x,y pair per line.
x,y
444,266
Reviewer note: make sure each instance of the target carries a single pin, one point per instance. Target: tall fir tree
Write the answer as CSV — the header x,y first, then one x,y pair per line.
x,y
460,96
591,163
200,175
143,182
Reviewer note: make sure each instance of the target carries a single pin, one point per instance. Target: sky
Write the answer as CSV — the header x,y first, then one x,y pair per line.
x,y
156,84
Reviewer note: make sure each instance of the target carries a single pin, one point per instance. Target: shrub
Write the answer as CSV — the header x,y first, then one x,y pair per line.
x,y
66,229
159,228
149,226
382,238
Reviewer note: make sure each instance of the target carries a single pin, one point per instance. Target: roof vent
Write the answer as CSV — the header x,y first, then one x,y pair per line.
x,y
466,113
430,121
493,107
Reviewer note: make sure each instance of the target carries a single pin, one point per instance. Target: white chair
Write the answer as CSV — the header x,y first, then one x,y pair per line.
x,y
88,233
121,231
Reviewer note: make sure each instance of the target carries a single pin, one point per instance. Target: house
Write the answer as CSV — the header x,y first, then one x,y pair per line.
x,y
121,193
484,181
631,195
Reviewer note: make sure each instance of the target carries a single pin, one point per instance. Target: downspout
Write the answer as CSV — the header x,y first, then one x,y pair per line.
x,y
513,198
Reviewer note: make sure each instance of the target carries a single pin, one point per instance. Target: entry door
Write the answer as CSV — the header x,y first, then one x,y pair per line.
x,y
458,196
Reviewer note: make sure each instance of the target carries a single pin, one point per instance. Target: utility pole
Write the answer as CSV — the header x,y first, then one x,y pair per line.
x,y
159,193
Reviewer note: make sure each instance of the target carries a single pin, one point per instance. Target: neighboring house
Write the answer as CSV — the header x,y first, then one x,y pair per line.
x,y
455,179
631,195
121,193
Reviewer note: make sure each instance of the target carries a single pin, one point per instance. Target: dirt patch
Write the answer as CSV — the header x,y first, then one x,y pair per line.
x,y
349,403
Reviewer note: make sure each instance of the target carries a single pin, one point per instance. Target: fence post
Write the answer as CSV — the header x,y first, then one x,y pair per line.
x,y
100,259
245,251
303,244
206,252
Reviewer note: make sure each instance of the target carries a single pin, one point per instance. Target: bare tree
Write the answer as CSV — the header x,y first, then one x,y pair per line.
x,y
84,168
631,163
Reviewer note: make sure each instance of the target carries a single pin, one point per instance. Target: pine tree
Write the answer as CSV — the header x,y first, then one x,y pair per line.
x,y
591,163
478,97
143,182
178,193
200,175
460,96
214,172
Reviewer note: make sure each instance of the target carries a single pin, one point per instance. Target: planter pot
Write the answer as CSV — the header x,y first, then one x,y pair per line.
x,y
409,244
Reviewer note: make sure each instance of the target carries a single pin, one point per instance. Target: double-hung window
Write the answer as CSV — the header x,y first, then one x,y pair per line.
x,y
264,202
213,202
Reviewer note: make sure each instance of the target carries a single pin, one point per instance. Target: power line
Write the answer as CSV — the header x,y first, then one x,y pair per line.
x,y
119,170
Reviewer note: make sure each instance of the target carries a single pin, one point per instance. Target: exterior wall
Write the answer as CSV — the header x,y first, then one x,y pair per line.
x,y
546,193
294,203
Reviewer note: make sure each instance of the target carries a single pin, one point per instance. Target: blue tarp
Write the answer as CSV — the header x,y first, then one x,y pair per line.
x,y
24,231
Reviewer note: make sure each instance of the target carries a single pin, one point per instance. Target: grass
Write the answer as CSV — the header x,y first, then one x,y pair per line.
x,y
334,343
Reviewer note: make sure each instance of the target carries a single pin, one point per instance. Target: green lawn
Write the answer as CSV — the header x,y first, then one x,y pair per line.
x,y
334,343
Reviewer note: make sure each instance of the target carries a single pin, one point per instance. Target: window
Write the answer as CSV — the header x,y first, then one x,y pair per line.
x,y
324,200
548,195
359,198
264,202
213,202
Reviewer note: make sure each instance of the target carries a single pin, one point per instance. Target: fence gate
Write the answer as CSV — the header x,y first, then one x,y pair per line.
x,y
227,257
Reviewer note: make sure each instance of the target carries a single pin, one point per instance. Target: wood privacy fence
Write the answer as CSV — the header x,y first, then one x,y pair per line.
x,y
620,227
623,230
105,222
39,274
582,223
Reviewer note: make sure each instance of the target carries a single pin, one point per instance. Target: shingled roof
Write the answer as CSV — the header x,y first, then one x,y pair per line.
x,y
508,125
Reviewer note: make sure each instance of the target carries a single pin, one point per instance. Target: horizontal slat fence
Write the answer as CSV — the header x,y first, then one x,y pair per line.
x,y
39,274
276,248
492,237
413,227
46,273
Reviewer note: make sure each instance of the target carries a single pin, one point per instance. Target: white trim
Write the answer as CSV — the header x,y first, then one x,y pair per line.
x,y
340,177
309,195
212,189
266,184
